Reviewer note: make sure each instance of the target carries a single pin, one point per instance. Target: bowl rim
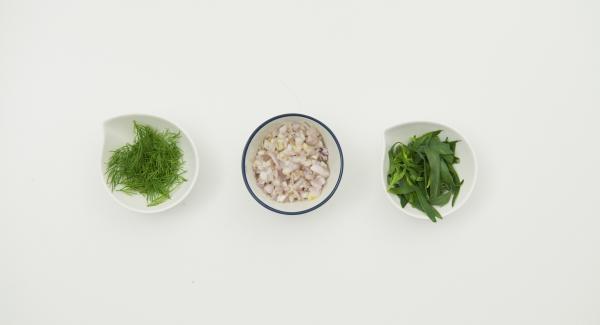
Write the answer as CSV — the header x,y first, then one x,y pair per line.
x,y
245,176
467,194
192,181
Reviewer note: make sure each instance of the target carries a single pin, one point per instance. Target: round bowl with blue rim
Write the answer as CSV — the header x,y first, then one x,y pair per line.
x,y
335,164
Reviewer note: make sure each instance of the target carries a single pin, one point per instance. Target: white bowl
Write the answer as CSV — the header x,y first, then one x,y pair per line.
x,y
336,165
118,131
466,168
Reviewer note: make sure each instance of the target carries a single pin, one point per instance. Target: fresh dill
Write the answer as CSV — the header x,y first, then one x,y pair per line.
x,y
151,166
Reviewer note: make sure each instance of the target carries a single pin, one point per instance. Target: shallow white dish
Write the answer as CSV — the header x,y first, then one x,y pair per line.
x,y
335,162
118,131
466,169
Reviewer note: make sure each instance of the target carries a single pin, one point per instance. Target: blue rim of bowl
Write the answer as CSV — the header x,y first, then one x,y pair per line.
x,y
245,177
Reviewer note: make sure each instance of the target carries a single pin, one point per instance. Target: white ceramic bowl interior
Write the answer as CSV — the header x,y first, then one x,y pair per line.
x,y
466,169
336,165
118,131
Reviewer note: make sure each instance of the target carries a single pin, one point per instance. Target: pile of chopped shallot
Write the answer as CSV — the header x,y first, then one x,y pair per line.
x,y
291,163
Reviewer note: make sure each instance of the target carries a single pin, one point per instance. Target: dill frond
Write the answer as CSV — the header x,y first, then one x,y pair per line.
x,y
151,166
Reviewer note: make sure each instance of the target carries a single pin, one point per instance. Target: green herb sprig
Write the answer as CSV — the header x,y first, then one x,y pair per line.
x,y
422,173
151,166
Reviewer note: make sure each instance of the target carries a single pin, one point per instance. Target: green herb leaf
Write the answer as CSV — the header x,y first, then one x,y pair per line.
x,y
442,199
426,206
422,173
402,188
434,167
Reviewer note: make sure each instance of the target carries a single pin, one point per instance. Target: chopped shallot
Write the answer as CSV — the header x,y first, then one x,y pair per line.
x,y
291,163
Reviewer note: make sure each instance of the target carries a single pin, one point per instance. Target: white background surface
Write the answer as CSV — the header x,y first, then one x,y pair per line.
x,y
519,78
